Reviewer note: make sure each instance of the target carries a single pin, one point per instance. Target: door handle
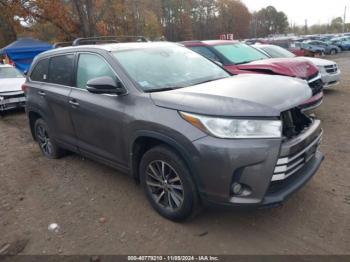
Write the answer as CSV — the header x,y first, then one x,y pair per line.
x,y
41,93
74,103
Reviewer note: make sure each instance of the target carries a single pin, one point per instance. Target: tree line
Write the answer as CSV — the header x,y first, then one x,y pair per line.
x,y
173,20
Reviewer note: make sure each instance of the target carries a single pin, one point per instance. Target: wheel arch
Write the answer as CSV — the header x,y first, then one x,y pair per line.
x,y
145,140
33,116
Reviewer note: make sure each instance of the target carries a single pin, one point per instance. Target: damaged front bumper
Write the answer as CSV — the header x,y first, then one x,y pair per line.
x,y
269,170
12,100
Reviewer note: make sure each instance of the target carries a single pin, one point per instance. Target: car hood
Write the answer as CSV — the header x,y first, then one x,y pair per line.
x,y
319,61
242,95
11,84
294,67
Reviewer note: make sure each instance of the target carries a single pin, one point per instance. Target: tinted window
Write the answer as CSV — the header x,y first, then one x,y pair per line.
x,y
92,66
204,51
40,71
10,72
61,69
240,53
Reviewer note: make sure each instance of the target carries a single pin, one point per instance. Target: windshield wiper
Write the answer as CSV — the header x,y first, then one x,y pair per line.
x,y
162,89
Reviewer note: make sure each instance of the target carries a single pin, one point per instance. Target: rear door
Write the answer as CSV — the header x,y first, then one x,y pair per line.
x,y
97,118
52,82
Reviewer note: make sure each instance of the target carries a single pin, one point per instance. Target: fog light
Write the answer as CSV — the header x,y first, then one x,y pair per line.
x,y
236,188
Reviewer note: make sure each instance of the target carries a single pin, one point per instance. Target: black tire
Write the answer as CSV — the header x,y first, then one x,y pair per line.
x,y
167,206
47,145
334,52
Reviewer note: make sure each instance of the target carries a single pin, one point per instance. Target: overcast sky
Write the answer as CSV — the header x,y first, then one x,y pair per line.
x,y
315,11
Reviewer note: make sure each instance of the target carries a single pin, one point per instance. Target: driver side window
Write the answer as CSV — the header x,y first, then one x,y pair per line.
x,y
91,66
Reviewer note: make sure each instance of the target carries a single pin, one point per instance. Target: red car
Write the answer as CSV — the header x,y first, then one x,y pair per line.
x,y
239,58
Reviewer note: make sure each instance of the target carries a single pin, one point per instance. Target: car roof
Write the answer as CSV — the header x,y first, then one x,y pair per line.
x,y
264,45
108,47
209,42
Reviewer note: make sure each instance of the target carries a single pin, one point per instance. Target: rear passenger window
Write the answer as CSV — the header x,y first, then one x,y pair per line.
x,y
61,69
91,66
40,71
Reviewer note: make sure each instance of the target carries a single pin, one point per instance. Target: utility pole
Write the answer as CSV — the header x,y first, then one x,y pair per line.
x,y
306,27
344,20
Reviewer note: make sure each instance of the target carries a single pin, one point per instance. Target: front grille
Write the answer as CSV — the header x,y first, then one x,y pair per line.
x,y
13,96
331,69
294,122
316,86
288,165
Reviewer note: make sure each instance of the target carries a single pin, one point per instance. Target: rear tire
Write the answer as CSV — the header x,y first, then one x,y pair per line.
x,y
47,144
168,184
333,52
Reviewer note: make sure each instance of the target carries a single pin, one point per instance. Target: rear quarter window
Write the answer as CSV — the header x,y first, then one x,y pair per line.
x,y
40,71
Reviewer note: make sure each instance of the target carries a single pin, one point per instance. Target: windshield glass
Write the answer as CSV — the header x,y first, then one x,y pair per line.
x,y
240,53
277,52
167,67
10,72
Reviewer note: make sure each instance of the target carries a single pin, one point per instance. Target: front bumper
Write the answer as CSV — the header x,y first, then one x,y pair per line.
x,y
331,80
12,101
279,192
253,164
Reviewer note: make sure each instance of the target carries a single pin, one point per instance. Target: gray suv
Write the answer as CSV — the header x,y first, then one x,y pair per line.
x,y
179,124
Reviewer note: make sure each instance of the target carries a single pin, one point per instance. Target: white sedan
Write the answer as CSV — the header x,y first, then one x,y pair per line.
x,y
329,70
11,94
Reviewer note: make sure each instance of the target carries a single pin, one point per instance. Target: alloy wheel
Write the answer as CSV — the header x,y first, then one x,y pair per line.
x,y
44,140
165,185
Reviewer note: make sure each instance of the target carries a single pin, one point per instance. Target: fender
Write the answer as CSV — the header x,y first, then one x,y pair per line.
x,y
168,141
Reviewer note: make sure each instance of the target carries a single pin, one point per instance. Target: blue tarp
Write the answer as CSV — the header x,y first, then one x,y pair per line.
x,y
23,51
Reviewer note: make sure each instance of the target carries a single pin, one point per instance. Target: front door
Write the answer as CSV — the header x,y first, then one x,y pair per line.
x,y
97,118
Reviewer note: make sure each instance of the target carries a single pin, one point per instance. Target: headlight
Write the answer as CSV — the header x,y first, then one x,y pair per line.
x,y
235,128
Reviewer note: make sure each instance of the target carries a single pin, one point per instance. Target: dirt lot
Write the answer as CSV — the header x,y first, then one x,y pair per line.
x,y
100,211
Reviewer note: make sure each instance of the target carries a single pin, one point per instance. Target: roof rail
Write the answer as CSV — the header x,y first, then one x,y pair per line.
x,y
107,39
62,44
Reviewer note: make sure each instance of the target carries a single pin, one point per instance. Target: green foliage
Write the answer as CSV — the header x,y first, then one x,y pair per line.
x,y
269,21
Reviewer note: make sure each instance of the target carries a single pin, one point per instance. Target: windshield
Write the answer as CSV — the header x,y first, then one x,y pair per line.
x,y
277,52
240,53
158,68
10,72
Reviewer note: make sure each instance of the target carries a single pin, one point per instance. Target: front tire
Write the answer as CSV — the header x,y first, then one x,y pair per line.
x,y
334,52
47,144
168,184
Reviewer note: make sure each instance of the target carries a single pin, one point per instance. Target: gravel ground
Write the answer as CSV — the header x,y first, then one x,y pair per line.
x,y
101,211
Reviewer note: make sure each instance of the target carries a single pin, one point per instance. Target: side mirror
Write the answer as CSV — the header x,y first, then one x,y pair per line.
x,y
105,85
25,72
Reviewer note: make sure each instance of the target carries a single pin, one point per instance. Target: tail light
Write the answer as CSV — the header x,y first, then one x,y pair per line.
x,y
24,88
